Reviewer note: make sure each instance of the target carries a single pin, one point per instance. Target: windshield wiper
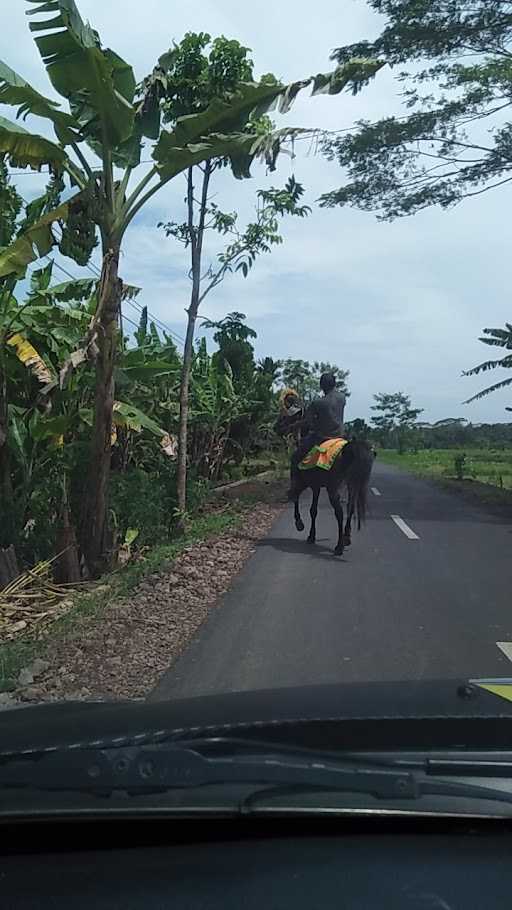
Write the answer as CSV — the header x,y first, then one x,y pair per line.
x,y
160,768
272,770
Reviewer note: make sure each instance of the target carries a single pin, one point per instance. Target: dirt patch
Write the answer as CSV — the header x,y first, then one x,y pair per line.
x,y
124,650
265,489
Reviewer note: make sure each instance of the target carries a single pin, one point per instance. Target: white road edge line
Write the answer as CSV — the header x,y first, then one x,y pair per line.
x,y
376,492
506,648
400,523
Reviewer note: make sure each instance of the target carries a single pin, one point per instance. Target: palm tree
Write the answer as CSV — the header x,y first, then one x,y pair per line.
x,y
501,338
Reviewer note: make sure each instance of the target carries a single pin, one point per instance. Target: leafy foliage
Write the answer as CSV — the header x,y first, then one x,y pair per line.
x,y
10,206
394,418
304,377
48,427
501,338
460,52
110,116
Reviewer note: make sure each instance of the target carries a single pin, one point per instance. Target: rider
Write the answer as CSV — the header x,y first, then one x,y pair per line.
x,y
291,417
324,420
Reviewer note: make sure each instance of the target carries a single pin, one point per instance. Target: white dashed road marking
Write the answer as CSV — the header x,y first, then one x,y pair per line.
x,y
506,647
400,523
376,492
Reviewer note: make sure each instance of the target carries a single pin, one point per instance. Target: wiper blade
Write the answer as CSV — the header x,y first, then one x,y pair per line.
x,y
469,767
169,766
272,771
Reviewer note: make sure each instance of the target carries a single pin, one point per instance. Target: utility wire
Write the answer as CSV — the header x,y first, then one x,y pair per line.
x,y
93,268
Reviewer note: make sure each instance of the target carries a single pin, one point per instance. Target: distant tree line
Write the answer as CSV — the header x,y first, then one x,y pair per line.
x,y
395,425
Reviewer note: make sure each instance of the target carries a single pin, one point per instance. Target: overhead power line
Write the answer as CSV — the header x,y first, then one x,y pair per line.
x,y
159,322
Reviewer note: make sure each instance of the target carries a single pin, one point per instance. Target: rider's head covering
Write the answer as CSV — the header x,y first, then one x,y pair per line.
x,y
289,399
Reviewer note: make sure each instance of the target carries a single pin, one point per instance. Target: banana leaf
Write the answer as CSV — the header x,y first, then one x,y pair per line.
x,y
36,241
15,91
99,84
30,358
26,149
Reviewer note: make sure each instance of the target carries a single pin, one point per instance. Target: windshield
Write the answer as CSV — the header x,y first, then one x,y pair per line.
x,y
255,355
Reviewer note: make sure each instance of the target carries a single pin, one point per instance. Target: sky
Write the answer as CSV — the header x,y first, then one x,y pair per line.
x,y
400,305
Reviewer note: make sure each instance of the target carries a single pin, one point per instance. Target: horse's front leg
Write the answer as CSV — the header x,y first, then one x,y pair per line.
x,y
335,500
299,524
313,512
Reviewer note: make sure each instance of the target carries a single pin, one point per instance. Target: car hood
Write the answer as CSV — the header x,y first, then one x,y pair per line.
x,y
389,715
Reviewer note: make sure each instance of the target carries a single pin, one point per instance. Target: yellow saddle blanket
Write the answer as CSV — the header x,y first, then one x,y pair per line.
x,y
324,455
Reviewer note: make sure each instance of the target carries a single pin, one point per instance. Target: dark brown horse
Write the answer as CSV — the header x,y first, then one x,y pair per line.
x,y
351,467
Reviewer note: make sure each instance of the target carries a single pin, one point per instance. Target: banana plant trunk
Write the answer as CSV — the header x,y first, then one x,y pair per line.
x,y
6,487
95,537
6,490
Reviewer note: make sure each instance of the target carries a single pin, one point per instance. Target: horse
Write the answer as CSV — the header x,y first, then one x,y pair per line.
x,y
352,467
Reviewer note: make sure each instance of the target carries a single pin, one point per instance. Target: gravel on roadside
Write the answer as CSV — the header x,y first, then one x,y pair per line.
x,y
130,643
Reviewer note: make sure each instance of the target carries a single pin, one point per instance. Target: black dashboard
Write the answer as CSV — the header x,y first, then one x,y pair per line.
x,y
389,864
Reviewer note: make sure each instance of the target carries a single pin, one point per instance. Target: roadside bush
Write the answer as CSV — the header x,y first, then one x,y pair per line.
x,y
143,501
459,463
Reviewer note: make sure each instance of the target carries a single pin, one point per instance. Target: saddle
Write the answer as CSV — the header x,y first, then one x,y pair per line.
x,y
323,455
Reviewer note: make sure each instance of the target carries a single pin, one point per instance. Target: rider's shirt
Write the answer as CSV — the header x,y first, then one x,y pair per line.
x,y
325,415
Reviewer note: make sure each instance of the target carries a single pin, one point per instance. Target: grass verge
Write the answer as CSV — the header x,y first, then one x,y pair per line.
x,y
487,474
22,651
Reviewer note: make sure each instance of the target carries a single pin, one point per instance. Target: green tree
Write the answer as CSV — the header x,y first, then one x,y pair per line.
x,y
394,418
269,367
214,406
36,336
437,152
110,117
304,377
501,338
232,336
10,207
253,385
197,71
358,429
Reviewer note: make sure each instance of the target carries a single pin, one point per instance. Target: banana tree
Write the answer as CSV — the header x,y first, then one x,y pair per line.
x,y
35,336
110,117
48,423
214,405
10,207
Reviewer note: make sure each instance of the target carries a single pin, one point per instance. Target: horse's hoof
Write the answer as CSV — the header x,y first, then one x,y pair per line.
x,y
311,539
299,525
338,551
347,541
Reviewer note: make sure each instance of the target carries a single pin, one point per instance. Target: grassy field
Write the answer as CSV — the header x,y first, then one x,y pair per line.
x,y
489,466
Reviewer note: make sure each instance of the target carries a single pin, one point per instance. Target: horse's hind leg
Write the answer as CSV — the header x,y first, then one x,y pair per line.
x,y
335,500
347,533
299,524
314,512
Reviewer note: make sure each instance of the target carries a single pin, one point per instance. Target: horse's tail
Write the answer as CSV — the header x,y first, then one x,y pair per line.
x,y
357,461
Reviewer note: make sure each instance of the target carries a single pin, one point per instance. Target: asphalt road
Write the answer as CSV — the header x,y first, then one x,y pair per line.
x,y
395,607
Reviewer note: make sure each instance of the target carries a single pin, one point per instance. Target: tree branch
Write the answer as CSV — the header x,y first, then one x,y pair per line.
x,y
204,202
75,174
82,159
127,213
109,176
484,189
123,186
131,210
190,212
